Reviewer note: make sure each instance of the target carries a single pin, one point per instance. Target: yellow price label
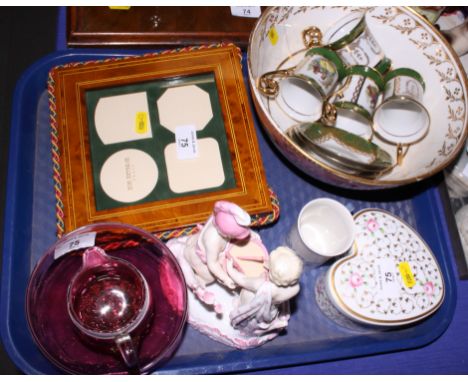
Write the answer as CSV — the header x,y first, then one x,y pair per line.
x,y
407,274
141,122
120,7
273,35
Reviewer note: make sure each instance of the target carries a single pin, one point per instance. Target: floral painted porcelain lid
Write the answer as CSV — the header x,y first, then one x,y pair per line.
x,y
392,279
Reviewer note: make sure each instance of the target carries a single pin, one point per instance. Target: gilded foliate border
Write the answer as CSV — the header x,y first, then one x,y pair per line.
x,y
437,57
279,15
418,34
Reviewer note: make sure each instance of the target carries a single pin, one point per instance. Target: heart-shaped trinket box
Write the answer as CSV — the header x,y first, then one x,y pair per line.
x,y
392,279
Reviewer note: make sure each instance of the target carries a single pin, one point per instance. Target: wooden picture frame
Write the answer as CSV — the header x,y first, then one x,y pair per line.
x,y
91,100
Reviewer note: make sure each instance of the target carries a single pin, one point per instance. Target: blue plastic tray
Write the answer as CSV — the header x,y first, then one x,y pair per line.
x,y
30,230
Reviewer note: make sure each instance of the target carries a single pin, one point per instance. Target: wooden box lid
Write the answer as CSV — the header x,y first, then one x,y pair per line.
x,y
156,26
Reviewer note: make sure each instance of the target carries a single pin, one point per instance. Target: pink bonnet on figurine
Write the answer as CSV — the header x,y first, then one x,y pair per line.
x,y
231,220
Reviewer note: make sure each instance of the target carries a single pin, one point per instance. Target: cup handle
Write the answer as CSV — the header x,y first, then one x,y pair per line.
x,y
128,351
312,37
329,112
401,153
340,90
267,83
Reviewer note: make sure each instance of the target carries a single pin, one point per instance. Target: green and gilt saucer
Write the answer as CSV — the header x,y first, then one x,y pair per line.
x,y
341,149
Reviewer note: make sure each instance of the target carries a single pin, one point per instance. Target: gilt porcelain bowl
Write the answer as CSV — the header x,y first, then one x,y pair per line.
x,y
407,40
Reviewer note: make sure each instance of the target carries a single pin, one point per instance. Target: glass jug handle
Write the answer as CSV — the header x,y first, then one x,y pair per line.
x,y
128,352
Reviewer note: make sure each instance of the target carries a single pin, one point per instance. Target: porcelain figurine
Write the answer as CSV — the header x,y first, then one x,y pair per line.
x,y
262,303
238,292
199,254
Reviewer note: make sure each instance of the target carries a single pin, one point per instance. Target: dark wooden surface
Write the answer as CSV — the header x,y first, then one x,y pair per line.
x,y
155,26
26,34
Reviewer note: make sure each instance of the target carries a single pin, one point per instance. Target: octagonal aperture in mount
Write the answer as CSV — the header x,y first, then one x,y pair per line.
x,y
184,105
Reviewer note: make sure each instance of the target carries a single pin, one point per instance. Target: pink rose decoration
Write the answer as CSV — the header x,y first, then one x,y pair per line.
x,y
372,225
356,280
429,288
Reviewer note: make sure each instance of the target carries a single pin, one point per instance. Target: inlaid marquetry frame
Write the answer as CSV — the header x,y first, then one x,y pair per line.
x,y
73,168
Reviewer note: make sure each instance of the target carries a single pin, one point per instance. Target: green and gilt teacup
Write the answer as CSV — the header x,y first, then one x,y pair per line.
x,y
302,89
351,38
401,117
351,106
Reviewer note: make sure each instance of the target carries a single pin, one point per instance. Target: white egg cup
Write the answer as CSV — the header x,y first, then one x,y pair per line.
x,y
324,230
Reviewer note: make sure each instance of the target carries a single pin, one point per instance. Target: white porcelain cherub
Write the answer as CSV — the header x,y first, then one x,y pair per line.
x,y
262,303
199,254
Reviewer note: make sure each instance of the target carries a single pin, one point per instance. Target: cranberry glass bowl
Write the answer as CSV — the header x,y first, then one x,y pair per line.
x,y
46,300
